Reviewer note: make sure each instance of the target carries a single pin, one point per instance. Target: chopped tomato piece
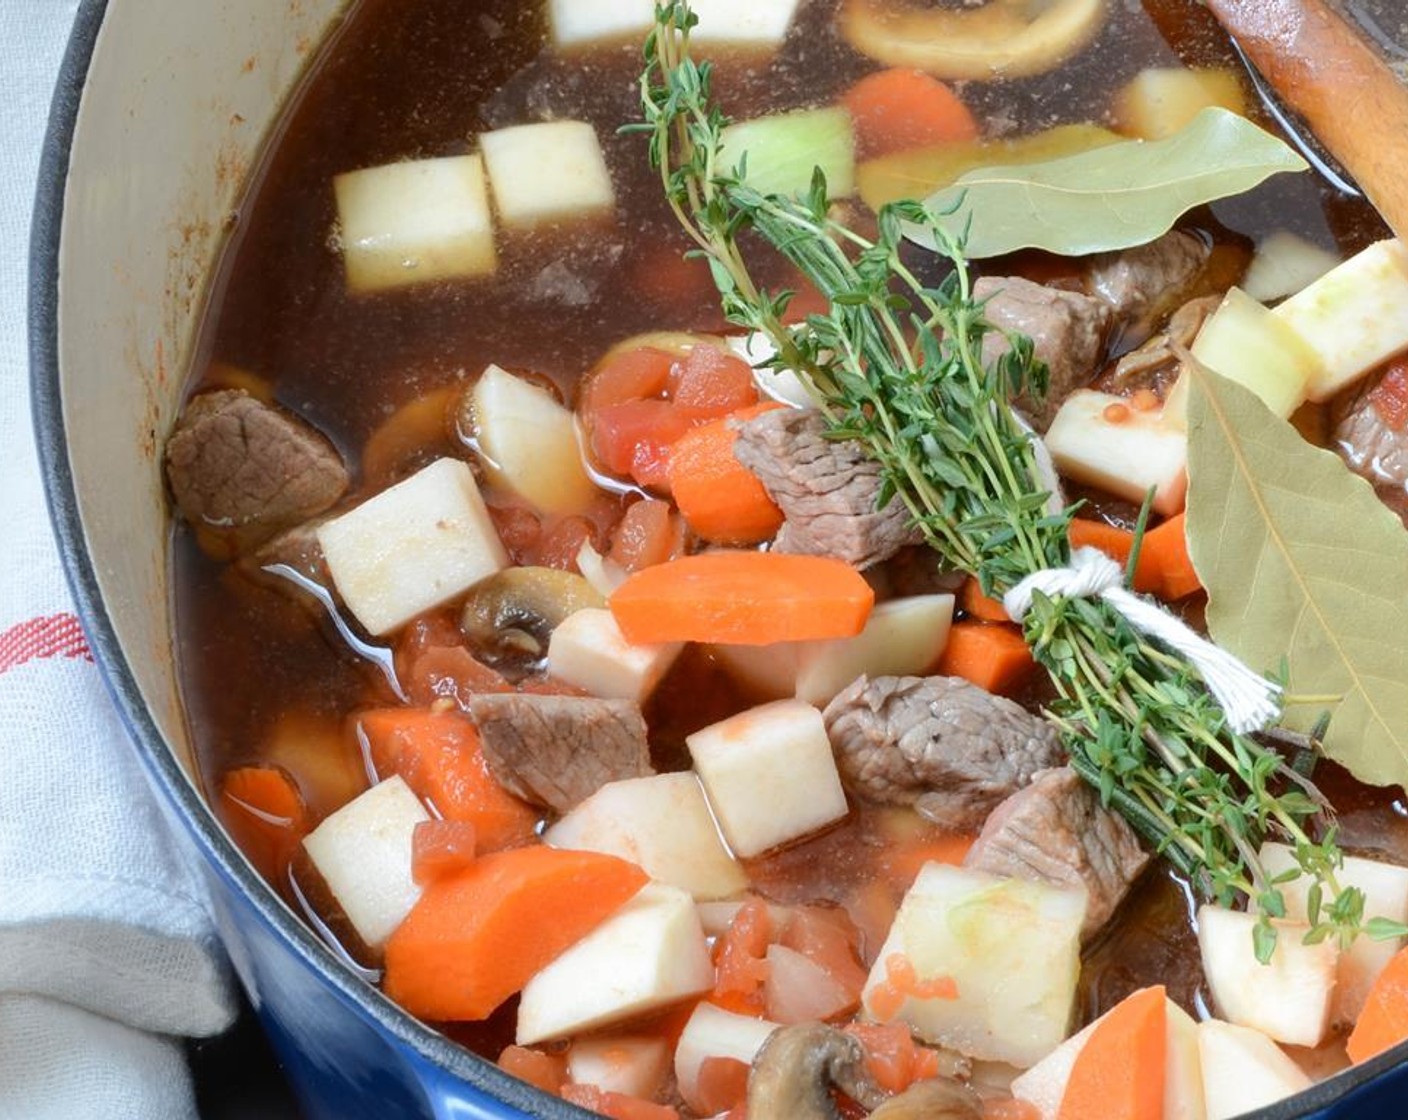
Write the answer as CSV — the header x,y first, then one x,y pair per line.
x,y
519,529
616,1106
628,376
633,438
712,379
440,848
560,542
547,1072
648,533
450,672
828,938
1390,396
722,1085
892,1056
740,961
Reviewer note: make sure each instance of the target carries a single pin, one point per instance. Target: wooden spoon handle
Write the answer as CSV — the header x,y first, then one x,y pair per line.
x,y
1322,67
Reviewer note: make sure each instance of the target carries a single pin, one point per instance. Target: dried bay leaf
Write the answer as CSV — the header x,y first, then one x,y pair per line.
x,y
1302,562
1111,197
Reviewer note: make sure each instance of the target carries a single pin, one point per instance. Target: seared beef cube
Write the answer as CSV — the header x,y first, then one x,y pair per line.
x,y
1067,330
826,489
242,471
945,746
1147,282
1370,434
1056,831
559,750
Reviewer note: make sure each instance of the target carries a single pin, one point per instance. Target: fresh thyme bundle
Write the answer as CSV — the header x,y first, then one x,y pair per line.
x,y
897,365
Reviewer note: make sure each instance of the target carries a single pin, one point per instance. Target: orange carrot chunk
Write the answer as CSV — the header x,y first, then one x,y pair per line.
x,y
265,813
476,938
1164,556
897,109
547,1072
1384,1021
439,756
746,598
1119,1073
440,848
982,607
720,498
991,656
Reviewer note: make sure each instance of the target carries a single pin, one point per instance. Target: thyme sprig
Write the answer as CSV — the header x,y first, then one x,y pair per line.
x,y
897,365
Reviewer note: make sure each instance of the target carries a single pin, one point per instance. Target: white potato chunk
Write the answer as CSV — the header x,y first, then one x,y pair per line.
x,y
663,825
1103,441
1288,998
748,23
528,440
406,223
549,172
1283,264
1246,343
769,775
1160,101
1243,1070
1012,949
649,954
412,547
582,23
588,649
620,1063
768,672
1385,887
713,1032
1355,317
903,637
717,916
363,853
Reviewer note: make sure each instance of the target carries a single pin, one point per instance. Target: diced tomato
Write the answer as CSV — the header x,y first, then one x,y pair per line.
x,y
629,376
617,1106
633,438
806,300
449,673
741,967
440,848
712,379
547,1072
1390,396
648,533
892,1056
561,540
519,529
827,938
722,1085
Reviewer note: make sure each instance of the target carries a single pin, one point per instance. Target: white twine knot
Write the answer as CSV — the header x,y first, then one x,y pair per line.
x,y
1249,700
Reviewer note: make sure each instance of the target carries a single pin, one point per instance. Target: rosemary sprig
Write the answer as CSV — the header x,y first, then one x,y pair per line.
x,y
896,364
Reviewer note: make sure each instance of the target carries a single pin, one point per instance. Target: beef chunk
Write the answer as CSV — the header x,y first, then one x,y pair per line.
x,y
1371,445
940,744
559,750
242,471
1067,330
826,489
1056,831
1145,283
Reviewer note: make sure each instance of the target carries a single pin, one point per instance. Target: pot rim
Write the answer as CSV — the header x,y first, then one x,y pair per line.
x,y
46,400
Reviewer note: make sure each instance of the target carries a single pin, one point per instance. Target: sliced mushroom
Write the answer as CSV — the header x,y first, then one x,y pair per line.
x,y
797,1068
935,1099
509,617
1000,39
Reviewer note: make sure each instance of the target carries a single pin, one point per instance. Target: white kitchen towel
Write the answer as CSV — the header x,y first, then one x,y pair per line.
x,y
106,948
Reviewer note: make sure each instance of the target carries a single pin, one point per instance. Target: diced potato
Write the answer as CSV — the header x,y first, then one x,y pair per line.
x,y
588,649
1160,101
1355,317
1243,1070
649,954
1246,343
783,151
663,824
747,23
1044,1085
620,1063
549,172
768,672
778,382
1287,999
1102,441
581,23
529,442
412,547
902,637
769,775
717,916
1284,264
363,853
1011,947
713,1032
406,223
1385,887
798,990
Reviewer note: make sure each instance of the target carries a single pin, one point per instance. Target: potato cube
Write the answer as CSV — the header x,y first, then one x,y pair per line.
x,y
1288,998
712,1032
1103,441
769,775
363,853
649,954
406,223
903,637
412,547
1160,101
583,23
548,172
750,23
620,1063
1243,1070
767,672
663,824
588,649
1284,264
1010,947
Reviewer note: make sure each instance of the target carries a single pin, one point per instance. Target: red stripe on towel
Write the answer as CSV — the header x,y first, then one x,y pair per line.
x,y
56,635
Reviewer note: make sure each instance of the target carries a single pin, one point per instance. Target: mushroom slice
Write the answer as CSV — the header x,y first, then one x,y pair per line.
x,y
798,1066
935,1099
1000,39
509,617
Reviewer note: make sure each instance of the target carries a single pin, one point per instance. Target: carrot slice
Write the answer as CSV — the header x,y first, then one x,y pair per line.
x,y
1164,569
265,813
1119,1073
475,939
439,756
547,1072
746,598
991,656
897,109
440,848
982,607
720,498
1384,1021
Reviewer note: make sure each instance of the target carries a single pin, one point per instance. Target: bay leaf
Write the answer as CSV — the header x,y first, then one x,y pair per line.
x,y
1305,567
1111,197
